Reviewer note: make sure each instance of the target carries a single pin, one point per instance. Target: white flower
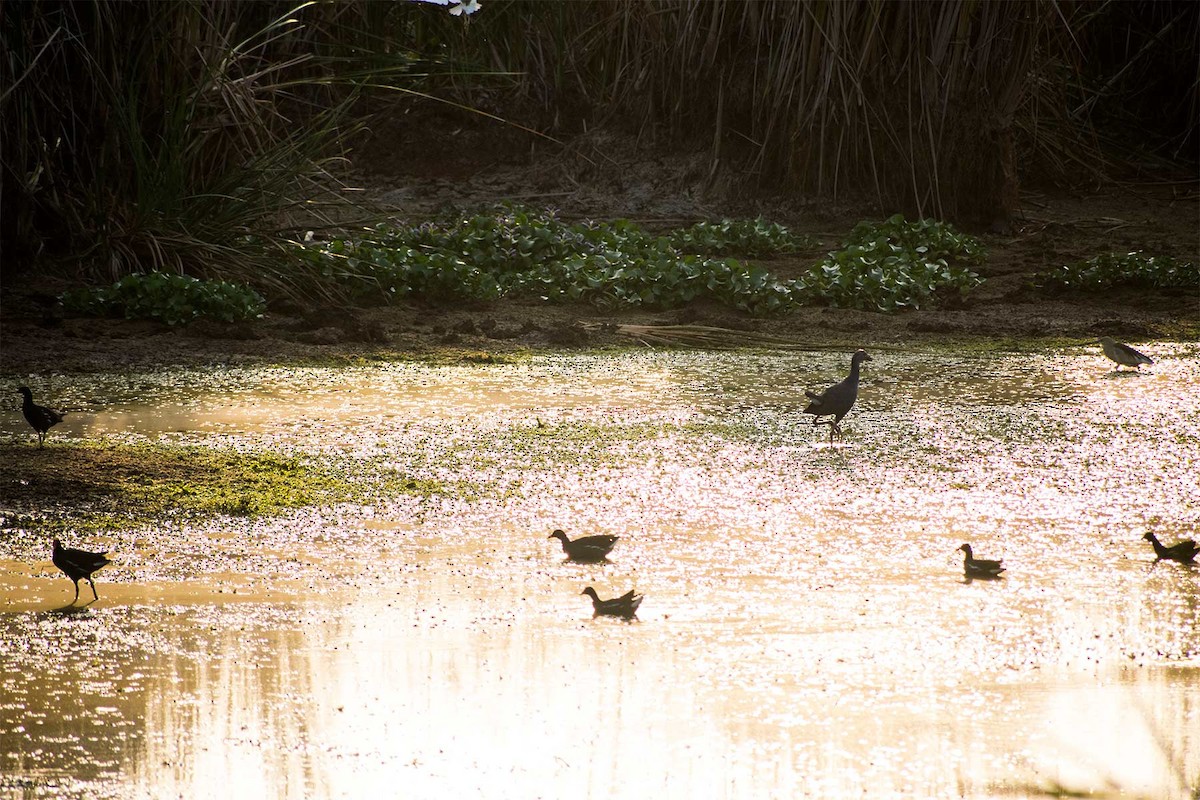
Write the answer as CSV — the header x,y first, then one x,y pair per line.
x,y
469,7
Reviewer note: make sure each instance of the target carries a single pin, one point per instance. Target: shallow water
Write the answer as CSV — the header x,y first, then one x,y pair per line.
x,y
806,632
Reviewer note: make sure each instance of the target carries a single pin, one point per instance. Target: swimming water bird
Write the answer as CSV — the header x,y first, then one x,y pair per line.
x,y
979,567
625,606
1184,552
837,400
41,418
1123,354
78,565
586,549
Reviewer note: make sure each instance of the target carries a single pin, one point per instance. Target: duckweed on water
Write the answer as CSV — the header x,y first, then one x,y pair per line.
x,y
571,442
442,356
108,484
741,527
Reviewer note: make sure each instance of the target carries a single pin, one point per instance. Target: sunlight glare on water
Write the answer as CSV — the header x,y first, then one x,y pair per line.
x,y
806,631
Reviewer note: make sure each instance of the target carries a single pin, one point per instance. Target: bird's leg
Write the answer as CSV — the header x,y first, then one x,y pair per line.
x,y
76,598
92,584
818,421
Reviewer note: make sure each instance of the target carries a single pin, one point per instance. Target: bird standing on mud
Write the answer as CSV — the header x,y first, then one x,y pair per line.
x,y
41,418
837,400
1123,354
78,565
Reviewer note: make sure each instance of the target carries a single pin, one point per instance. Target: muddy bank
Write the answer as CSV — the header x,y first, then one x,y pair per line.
x,y
37,339
402,332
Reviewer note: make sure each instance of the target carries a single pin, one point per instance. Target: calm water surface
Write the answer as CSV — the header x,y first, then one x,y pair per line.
x,y
806,631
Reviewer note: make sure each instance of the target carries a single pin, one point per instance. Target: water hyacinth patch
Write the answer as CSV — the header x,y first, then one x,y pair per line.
x,y
1110,270
924,239
753,238
894,265
168,297
521,253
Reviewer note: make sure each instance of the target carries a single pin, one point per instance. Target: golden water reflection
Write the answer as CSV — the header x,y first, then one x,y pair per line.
x,y
806,632
353,699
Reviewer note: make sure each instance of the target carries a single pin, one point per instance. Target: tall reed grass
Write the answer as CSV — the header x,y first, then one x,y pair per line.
x,y
195,135
911,102
929,107
186,136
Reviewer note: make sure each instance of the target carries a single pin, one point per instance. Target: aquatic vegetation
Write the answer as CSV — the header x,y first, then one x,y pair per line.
x,y
1110,270
168,297
111,484
746,237
893,265
517,252
925,239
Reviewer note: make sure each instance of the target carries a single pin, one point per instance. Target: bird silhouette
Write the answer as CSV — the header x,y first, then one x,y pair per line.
x,y
625,606
979,567
1184,552
40,418
1123,354
837,400
586,549
78,565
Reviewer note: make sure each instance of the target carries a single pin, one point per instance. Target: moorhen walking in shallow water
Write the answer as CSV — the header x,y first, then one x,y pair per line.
x,y
979,567
78,565
41,418
837,400
585,549
1184,552
625,606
